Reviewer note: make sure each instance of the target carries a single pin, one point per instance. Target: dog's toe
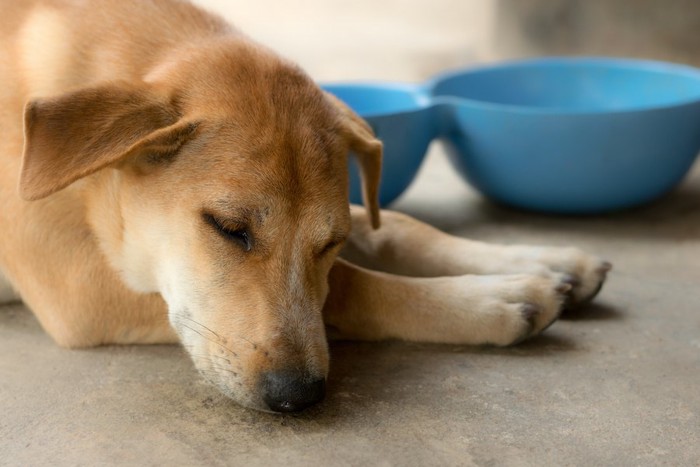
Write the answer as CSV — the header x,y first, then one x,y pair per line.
x,y
541,305
602,272
593,278
530,312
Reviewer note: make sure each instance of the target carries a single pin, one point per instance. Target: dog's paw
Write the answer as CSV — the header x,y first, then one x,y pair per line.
x,y
585,273
521,306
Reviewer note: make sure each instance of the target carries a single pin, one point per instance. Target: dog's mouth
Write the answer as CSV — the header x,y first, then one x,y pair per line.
x,y
278,391
247,374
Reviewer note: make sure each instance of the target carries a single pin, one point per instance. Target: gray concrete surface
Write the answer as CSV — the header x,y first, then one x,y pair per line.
x,y
613,384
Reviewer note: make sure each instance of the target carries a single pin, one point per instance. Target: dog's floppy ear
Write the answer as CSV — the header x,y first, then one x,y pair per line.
x,y
74,135
368,152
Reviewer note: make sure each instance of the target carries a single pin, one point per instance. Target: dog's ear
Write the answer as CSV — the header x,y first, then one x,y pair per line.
x,y
368,152
74,135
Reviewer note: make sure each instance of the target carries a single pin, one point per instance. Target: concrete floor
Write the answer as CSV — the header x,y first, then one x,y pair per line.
x,y
613,384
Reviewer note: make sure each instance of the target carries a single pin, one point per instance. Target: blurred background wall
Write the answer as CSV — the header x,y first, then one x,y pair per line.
x,y
379,39
413,39
660,29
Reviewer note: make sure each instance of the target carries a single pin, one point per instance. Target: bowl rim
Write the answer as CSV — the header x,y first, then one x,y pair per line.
x,y
422,100
623,63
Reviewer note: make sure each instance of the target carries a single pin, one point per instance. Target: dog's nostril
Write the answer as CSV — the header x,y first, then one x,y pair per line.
x,y
291,391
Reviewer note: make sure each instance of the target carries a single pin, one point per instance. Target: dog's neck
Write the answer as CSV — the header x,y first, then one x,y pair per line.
x,y
104,199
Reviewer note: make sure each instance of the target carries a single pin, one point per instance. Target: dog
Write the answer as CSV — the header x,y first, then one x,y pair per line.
x,y
164,178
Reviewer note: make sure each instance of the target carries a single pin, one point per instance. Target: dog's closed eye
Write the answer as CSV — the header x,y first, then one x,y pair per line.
x,y
239,234
330,246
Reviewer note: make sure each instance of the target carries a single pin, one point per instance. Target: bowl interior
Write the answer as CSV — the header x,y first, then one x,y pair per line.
x,y
401,117
575,85
370,100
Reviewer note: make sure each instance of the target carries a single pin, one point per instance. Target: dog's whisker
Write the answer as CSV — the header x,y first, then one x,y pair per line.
x,y
209,339
208,363
200,324
211,364
217,335
202,335
209,357
214,333
217,369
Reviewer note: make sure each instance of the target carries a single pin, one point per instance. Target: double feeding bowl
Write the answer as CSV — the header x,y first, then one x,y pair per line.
x,y
558,135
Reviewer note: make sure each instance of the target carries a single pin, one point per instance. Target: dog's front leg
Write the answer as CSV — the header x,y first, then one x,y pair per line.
x,y
406,246
103,316
469,309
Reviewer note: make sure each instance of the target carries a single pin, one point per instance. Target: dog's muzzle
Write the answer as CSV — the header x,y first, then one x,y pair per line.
x,y
290,390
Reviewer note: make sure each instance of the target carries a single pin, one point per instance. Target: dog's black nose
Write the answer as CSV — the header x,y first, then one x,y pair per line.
x,y
291,391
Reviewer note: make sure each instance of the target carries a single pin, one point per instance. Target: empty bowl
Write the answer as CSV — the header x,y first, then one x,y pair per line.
x,y
402,119
571,135
559,135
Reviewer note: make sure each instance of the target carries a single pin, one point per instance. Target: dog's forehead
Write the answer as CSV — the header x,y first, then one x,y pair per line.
x,y
265,108
266,126
290,140
274,166
243,80
286,114
300,151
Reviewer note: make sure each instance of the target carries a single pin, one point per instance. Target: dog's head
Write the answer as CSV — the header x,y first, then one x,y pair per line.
x,y
220,182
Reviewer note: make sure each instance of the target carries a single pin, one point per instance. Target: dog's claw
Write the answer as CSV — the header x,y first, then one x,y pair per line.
x,y
565,286
530,311
604,267
571,280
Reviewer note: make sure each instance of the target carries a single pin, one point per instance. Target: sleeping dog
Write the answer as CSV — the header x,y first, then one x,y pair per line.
x,y
163,178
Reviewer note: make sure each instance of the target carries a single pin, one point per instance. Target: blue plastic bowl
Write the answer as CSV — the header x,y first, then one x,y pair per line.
x,y
559,135
402,118
571,135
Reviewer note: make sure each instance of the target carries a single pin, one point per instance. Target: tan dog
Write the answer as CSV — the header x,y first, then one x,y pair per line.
x,y
164,178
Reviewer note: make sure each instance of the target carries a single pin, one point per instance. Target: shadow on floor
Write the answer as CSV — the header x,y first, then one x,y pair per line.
x,y
593,312
674,216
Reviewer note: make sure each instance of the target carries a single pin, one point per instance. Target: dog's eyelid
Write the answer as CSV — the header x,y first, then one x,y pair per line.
x,y
232,230
332,244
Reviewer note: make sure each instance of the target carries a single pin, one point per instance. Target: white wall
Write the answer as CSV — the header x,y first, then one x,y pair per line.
x,y
375,39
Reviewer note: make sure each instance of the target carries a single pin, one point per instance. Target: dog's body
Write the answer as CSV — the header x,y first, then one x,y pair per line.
x,y
179,182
